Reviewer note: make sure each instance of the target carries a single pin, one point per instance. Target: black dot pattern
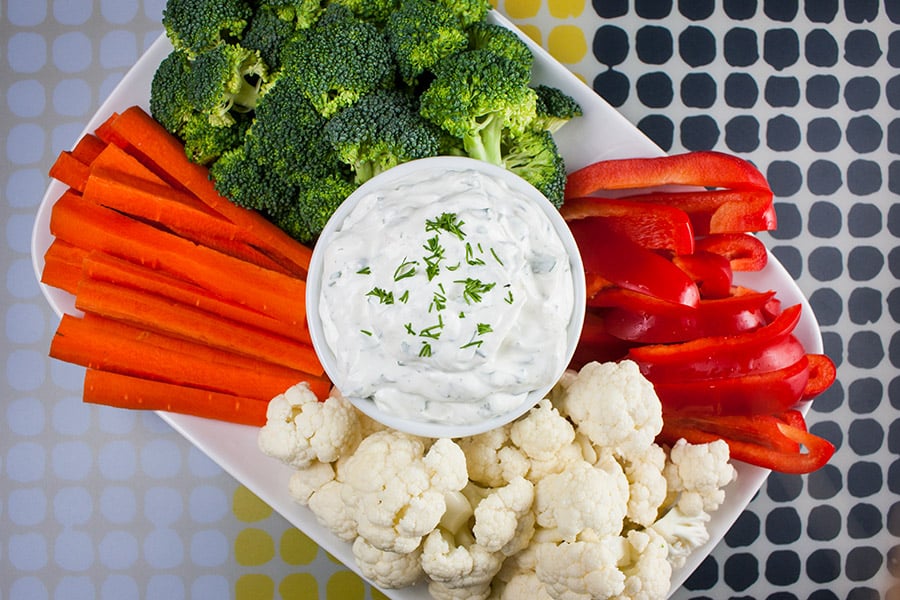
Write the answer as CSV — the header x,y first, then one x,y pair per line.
x,y
809,90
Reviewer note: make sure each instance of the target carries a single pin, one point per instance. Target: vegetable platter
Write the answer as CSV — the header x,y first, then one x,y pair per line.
x,y
234,447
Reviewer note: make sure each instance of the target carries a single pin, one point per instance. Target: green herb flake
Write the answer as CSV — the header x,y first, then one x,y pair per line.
x,y
470,256
497,258
446,222
474,289
406,269
384,297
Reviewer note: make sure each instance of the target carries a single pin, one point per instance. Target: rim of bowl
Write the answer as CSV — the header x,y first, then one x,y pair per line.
x,y
434,429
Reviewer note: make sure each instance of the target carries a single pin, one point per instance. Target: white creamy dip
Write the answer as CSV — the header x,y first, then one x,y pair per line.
x,y
446,298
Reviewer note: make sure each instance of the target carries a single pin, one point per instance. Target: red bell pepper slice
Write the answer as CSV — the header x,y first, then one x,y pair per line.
x,y
653,227
595,344
822,374
710,271
769,441
613,296
715,317
701,168
745,252
626,264
720,347
718,211
752,392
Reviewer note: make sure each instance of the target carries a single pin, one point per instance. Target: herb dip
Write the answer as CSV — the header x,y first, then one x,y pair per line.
x,y
446,298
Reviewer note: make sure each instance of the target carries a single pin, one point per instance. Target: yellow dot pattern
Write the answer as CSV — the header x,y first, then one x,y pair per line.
x,y
344,585
556,25
253,547
299,586
296,548
567,44
295,568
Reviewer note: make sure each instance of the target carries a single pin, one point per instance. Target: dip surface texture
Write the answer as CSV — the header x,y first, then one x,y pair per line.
x,y
446,298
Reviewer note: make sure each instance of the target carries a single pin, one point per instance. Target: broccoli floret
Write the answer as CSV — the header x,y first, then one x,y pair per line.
x,y
249,184
339,60
535,157
502,41
316,201
198,25
205,142
554,108
373,11
467,11
226,79
380,131
170,102
267,33
302,13
421,33
288,133
479,96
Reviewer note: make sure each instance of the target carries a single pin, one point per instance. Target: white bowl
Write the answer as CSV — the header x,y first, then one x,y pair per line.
x,y
403,173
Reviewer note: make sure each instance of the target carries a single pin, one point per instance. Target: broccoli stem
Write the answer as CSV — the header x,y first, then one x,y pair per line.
x,y
484,142
245,99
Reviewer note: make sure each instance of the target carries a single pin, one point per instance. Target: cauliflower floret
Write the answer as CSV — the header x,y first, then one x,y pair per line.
x,y
387,569
441,591
523,584
583,497
492,459
579,570
328,505
542,432
614,405
547,439
306,482
501,521
300,429
643,561
697,473
646,484
396,490
682,532
458,562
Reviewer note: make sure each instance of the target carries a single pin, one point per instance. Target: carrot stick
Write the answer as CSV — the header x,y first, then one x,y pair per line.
x,y
62,266
214,356
159,314
155,202
88,148
89,344
164,153
114,158
105,132
94,227
123,391
103,267
241,250
69,170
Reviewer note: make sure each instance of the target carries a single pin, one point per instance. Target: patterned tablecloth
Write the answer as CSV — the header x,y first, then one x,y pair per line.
x,y
99,503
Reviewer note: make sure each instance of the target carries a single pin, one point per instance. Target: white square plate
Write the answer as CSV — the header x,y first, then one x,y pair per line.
x,y
601,133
